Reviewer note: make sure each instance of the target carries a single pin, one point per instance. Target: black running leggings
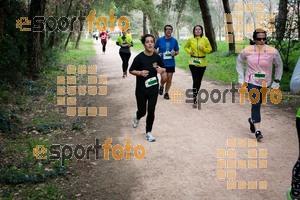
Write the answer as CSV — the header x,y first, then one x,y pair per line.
x,y
103,46
125,59
197,75
296,170
142,106
255,107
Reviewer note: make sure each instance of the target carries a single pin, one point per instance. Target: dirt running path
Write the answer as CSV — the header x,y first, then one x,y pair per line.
x,y
183,162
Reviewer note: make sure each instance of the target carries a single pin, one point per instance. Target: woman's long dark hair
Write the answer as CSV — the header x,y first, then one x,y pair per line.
x,y
195,28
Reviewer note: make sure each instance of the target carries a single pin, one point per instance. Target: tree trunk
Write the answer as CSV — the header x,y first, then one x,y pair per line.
x,y
79,34
68,39
53,34
78,40
229,24
298,6
34,68
71,32
180,6
208,26
69,8
144,23
167,4
51,42
43,33
281,19
1,20
153,27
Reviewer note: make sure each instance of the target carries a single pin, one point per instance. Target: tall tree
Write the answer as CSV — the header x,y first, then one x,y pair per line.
x,y
83,7
149,9
81,23
149,12
1,19
144,23
229,24
167,7
71,32
209,30
37,8
172,12
298,17
179,8
281,19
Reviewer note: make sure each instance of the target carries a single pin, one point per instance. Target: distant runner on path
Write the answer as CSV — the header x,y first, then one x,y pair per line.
x,y
125,42
104,38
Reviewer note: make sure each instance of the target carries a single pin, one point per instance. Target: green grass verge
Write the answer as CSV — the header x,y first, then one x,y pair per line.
x,y
21,174
79,56
71,56
137,45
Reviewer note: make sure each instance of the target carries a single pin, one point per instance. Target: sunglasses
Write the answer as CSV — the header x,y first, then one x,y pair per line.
x,y
259,39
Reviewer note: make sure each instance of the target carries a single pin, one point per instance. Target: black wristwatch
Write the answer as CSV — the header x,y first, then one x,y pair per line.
x,y
277,81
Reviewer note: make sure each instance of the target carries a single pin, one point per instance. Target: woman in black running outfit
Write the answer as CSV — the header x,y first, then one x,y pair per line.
x,y
145,67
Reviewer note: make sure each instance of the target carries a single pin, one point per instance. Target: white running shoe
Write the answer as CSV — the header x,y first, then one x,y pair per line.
x,y
150,137
135,122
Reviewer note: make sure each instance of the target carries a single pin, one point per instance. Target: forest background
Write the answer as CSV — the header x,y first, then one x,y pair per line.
x,y
30,61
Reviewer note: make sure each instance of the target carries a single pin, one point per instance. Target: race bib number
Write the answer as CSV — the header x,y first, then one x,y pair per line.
x,y
125,44
195,61
259,75
167,55
151,81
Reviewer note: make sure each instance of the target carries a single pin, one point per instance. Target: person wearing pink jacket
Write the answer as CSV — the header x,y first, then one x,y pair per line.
x,y
259,58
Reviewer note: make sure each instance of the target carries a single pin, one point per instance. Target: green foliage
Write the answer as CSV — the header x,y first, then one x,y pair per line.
x,y
13,43
47,191
137,45
51,58
289,51
27,172
15,177
31,88
9,122
12,62
38,120
78,125
79,56
6,96
21,100
5,125
48,127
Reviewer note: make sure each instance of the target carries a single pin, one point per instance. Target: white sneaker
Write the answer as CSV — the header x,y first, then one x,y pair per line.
x,y
150,137
135,122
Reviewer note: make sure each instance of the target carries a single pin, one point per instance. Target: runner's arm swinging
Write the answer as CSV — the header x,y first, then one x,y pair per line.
x,y
295,81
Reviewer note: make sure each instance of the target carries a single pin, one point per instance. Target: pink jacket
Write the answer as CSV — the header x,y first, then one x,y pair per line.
x,y
259,65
